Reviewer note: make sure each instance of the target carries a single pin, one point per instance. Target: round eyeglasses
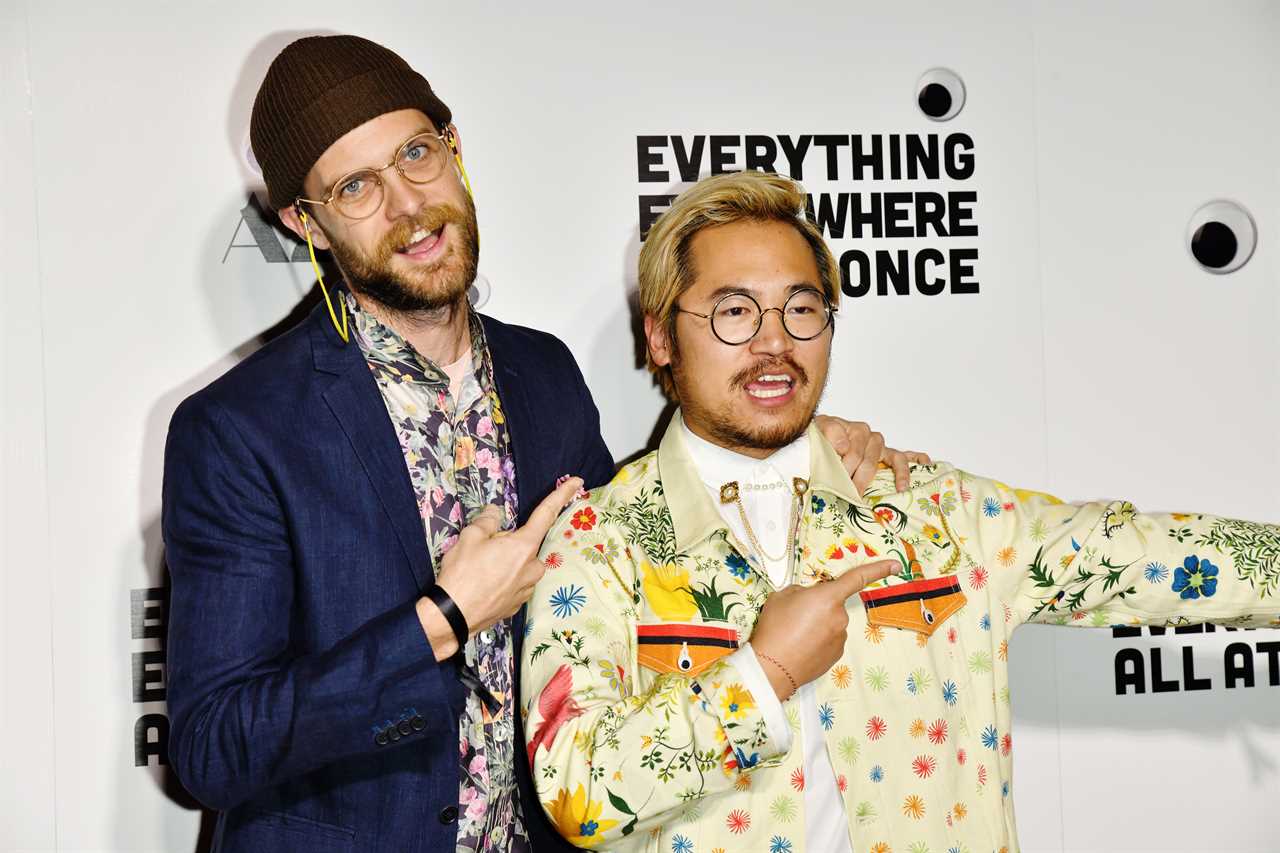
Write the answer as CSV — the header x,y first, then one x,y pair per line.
x,y
358,195
736,317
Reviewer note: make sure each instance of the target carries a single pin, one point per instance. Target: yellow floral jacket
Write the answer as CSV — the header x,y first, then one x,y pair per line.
x,y
641,735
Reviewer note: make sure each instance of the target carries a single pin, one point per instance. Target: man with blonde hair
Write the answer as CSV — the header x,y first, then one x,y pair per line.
x,y
734,649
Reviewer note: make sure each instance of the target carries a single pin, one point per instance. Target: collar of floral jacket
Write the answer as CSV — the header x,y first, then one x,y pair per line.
x,y
695,517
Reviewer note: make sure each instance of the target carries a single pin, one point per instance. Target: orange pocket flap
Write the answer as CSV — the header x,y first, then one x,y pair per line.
x,y
919,606
686,648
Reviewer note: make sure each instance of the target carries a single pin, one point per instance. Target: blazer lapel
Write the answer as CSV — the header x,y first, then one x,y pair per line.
x,y
520,421
358,406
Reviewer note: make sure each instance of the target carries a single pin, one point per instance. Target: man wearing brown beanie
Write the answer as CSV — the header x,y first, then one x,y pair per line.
x,y
352,515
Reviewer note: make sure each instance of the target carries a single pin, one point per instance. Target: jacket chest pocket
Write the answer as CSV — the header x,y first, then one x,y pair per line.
x,y
683,648
920,605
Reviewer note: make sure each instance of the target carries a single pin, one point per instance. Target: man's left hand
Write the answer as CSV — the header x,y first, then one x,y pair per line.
x,y
862,450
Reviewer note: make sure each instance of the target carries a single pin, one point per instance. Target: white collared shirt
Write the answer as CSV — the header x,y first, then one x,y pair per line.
x,y
768,511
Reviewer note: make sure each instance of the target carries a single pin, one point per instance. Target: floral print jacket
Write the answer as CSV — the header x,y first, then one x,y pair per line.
x,y
641,735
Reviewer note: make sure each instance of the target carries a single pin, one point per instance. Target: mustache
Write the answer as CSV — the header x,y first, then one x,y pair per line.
x,y
429,219
743,377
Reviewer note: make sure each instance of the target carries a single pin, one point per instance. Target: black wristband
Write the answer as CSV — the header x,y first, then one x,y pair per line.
x,y
452,615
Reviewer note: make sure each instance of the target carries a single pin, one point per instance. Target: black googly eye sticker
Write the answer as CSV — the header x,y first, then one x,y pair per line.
x,y
940,94
1221,237
478,292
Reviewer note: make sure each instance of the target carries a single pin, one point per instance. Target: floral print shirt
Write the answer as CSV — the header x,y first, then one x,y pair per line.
x,y
459,459
642,735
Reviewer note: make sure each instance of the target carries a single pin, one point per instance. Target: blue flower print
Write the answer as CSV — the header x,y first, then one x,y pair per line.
x,y
778,844
826,716
589,828
949,692
1004,789
989,737
818,505
991,507
567,600
681,844
744,762
737,566
877,773
1155,572
1195,578
985,622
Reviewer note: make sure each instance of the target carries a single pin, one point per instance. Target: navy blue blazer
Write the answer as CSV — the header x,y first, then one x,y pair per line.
x,y
304,699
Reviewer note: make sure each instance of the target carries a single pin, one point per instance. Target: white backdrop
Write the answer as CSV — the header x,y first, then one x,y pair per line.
x,y
1096,358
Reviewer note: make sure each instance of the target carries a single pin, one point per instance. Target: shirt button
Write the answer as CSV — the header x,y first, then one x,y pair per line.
x,y
486,636
448,814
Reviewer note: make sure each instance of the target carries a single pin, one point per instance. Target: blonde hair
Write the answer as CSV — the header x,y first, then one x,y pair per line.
x,y
666,270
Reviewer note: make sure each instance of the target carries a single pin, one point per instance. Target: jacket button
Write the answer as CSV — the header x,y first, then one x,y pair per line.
x,y
404,728
418,723
448,814
393,733
380,738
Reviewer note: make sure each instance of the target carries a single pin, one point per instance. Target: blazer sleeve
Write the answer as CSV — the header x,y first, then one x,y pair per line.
x,y
1105,563
247,711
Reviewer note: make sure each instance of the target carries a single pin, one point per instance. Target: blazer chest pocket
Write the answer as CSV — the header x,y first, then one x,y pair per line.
x,y
683,648
919,605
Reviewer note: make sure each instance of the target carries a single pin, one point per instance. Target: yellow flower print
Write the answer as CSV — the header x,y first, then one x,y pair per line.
x,y
840,676
917,728
933,534
736,702
578,819
464,453
961,810
874,633
1007,555
667,590
881,847
913,807
1028,494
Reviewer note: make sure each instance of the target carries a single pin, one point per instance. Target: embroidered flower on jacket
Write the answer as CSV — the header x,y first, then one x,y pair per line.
x,y
567,600
738,821
738,567
1195,578
913,807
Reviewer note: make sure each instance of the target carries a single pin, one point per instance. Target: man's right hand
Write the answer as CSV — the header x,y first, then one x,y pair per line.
x,y
803,628
489,573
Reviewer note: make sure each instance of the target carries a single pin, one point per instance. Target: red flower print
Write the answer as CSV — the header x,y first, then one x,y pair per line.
x,y
842,783
961,755
951,635
870,552
876,728
978,577
982,774
924,765
797,779
938,732
583,519
553,561
1006,744
1008,506
738,821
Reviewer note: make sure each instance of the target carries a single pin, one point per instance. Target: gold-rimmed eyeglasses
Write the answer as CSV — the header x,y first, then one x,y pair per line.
x,y
737,317
419,160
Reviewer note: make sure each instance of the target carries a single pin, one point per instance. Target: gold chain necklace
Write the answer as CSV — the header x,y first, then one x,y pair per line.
x,y
731,493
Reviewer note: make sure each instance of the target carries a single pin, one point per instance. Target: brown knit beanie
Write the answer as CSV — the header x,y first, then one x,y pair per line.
x,y
316,90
